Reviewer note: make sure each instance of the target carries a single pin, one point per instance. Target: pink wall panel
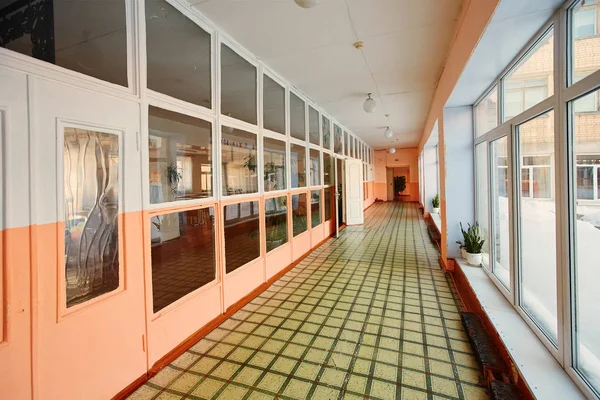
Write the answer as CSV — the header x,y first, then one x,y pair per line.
x,y
278,259
242,281
316,236
300,245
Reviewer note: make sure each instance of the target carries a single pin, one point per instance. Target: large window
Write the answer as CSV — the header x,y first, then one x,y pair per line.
x,y
314,134
585,222
298,165
183,254
238,159
180,156
337,140
315,208
500,214
238,86
584,40
182,71
531,80
315,167
274,164
486,113
83,36
327,169
242,234
297,117
273,105
299,213
482,218
276,222
326,132
537,225
328,203
346,144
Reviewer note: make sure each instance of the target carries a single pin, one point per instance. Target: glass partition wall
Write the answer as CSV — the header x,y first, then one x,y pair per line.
x,y
537,171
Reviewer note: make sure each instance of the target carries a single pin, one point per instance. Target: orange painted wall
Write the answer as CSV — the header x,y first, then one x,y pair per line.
x,y
400,161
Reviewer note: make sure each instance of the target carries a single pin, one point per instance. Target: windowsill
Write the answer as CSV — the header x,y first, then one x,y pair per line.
x,y
542,373
437,220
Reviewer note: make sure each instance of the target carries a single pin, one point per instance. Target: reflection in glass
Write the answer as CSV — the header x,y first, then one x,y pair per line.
x,y
327,169
276,222
180,156
299,213
314,135
486,113
238,158
89,37
315,167
530,81
274,105
337,139
91,198
537,222
315,208
328,194
500,216
586,227
182,71
326,132
238,86
242,234
584,39
274,168
297,117
346,144
183,254
298,165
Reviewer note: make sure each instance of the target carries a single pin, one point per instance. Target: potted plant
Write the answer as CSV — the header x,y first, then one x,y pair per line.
x,y
473,244
399,184
435,202
461,244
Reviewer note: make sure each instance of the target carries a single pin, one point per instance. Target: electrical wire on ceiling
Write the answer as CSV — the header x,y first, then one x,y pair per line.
x,y
377,91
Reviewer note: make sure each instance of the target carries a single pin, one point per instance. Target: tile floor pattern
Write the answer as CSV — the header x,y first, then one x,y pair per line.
x,y
367,316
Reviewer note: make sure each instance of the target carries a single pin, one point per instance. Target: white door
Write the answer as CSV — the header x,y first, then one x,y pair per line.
x,y
88,276
336,197
15,294
354,192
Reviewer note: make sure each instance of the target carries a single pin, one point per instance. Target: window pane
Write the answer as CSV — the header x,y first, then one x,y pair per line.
x,y
537,227
274,168
486,113
326,133
346,144
315,167
180,156
242,234
500,217
299,213
587,237
91,198
337,139
182,71
315,208
183,254
298,164
482,199
530,81
314,135
351,154
238,86
276,222
584,40
328,194
87,37
297,117
327,169
274,105
238,158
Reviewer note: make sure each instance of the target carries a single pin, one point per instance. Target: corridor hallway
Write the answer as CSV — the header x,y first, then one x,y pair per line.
x,y
368,315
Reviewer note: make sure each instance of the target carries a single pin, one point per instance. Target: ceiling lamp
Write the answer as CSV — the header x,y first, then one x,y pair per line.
x,y
388,132
370,104
307,3
392,150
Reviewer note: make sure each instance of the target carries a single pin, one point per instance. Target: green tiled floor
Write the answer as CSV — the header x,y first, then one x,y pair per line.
x,y
368,315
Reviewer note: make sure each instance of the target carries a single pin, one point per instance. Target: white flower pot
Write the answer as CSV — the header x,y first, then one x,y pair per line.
x,y
436,210
474,259
463,253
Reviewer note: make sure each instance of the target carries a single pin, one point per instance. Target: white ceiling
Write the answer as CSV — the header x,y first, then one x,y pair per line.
x,y
406,44
514,23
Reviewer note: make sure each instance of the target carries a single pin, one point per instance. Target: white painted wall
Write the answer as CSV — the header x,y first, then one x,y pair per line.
x,y
460,207
430,176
